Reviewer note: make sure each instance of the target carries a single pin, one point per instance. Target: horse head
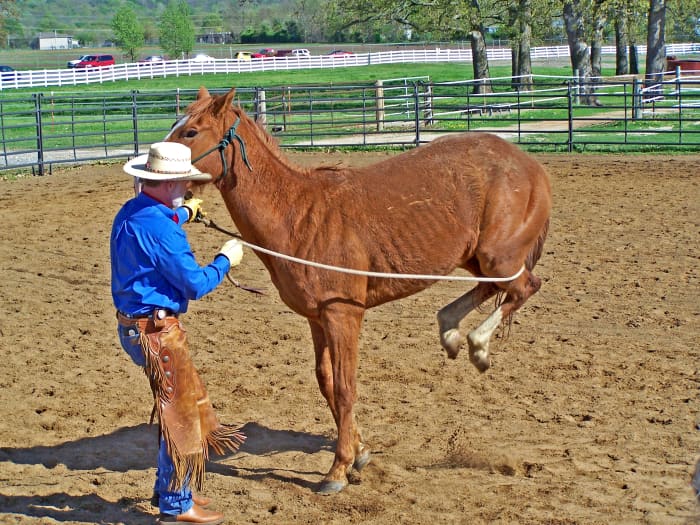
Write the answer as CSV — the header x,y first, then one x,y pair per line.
x,y
211,128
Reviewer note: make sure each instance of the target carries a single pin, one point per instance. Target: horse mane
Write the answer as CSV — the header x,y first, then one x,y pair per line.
x,y
271,143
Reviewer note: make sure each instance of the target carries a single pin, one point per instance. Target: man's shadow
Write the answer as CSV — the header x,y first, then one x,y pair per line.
x,y
135,448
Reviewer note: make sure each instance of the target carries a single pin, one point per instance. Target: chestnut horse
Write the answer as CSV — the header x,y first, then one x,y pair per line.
x,y
472,201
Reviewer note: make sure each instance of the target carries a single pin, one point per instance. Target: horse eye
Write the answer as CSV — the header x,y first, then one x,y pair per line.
x,y
191,133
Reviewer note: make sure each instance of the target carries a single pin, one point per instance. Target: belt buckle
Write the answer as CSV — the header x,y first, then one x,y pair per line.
x,y
160,314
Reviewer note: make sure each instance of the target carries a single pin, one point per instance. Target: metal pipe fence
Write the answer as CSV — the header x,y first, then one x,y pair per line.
x,y
558,114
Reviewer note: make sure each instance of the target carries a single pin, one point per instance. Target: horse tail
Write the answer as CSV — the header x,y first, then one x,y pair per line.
x,y
536,250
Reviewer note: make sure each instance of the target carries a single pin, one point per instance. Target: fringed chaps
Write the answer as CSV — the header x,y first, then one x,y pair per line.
x,y
186,417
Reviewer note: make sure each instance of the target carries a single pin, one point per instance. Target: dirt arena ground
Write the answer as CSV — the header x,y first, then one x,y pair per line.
x,y
588,415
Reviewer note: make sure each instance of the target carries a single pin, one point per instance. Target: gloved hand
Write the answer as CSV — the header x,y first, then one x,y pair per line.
x,y
233,251
194,207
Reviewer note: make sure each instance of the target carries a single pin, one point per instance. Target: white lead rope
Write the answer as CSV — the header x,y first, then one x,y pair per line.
x,y
384,275
211,224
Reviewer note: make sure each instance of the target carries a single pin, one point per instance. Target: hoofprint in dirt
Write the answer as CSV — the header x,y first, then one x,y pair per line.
x,y
587,416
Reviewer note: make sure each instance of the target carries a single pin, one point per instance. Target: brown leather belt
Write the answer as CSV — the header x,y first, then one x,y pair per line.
x,y
157,316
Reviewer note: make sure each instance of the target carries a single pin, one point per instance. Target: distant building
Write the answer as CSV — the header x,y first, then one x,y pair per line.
x,y
44,41
215,38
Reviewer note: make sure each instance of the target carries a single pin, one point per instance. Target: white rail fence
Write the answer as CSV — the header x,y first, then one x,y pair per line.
x,y
137,71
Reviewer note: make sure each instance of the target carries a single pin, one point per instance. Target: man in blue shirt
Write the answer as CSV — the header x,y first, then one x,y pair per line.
x,y
154,276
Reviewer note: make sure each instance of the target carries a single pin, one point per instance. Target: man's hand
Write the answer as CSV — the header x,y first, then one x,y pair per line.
x,y
194,207
233,251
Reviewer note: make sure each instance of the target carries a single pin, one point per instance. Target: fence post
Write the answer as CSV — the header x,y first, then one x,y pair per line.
x,y
636,99
39,133
380,104
570,102
135,120
416,112
261,108
428,111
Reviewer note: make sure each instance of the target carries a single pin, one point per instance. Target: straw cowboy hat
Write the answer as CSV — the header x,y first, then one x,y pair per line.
x,y
165,161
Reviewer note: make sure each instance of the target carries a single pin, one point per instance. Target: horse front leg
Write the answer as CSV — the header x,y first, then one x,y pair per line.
x,y
324,369
452,314
342,325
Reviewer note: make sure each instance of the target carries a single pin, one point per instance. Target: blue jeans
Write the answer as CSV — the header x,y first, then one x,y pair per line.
x,y
171,502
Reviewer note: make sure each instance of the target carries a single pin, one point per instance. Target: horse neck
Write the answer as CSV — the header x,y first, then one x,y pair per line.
x,y
265,201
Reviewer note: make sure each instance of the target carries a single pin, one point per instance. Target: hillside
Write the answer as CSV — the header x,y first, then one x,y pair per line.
x,y
90,20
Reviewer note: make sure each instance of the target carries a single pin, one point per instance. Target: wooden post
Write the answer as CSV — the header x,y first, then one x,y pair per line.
x,y
262,109
380,105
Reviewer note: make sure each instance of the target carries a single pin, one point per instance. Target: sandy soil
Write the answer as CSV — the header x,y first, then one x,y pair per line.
x,y
588,415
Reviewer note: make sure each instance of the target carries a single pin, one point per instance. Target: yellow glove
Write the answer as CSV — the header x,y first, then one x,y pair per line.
x,y
194,206
233,251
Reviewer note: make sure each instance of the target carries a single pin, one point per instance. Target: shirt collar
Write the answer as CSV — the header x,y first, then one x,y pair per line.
x,y
148,200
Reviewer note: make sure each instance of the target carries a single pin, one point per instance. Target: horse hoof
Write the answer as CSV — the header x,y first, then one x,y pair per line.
x,y
331,487
480,359
452,341
362,460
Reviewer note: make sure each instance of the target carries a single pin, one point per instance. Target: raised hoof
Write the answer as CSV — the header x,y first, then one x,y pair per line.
x,y
480,359
452,342
362,460
331,487
479,353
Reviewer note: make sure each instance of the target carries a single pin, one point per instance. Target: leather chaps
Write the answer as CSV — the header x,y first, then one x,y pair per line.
x,y
187,420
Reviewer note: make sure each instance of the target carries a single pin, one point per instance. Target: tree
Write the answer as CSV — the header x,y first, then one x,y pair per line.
x,y
628,18
599,19
452,19
573,15
129,34
176,29
656,41
520,32
622,66
8,14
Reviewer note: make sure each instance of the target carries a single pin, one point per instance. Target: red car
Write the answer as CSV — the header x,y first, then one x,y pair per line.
x,y
95,61
266,52
339,53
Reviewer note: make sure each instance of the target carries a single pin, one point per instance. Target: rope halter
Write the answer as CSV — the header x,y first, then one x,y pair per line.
x,y
229,137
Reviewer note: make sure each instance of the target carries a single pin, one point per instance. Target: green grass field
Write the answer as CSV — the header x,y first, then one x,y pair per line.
x,y
73,122
35,59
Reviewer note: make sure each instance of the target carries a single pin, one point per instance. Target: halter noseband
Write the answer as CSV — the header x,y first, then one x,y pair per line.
x,y
221,146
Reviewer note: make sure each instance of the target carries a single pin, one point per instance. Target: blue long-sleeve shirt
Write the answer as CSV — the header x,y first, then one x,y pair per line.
x,y
152,262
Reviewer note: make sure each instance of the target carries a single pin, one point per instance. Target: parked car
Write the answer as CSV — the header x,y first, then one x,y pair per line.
x,y
339,53
242,55
75,62
300,53
265,52
8,74
152,58
95,61
201,57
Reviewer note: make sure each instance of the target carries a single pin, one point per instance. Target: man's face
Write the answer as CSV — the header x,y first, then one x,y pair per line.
x,y
176,191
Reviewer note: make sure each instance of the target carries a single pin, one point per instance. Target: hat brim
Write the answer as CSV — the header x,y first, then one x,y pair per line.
x,y
137,168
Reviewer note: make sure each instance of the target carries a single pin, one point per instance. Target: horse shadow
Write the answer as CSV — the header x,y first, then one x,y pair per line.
x,y
135,448
263,441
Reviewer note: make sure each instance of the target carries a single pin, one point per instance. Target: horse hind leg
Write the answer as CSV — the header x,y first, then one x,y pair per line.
x,y
452,314
517,292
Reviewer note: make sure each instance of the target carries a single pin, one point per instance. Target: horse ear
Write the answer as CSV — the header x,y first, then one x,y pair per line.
x,y
224,103
203,93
